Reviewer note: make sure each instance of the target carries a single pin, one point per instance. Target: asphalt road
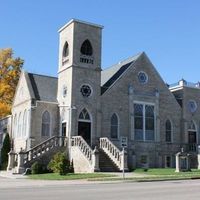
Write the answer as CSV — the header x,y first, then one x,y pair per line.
x,y
82,190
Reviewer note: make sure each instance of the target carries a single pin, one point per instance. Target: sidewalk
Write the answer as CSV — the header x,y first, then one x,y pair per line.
x,y
6,174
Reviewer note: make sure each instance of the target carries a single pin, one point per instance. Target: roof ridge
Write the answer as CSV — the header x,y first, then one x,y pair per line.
x,y
125,61
43,75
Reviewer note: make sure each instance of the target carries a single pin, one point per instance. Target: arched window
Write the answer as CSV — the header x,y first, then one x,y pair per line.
x,y
84,115
168,131
86,48
65,50
19,131
191,126
24,124
46,124
114,126
15,126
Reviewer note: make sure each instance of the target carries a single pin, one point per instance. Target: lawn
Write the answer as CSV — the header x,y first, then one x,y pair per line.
x,y
70,176
168,172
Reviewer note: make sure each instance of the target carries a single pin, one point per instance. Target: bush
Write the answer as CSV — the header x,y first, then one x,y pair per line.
x,y
59,164
37,168
71,167
4,151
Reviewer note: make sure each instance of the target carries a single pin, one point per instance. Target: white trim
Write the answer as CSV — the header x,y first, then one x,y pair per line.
x,y
79,21
144,103
178,87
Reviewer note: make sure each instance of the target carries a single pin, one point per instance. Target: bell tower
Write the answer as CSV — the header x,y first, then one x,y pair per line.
x,y
79,79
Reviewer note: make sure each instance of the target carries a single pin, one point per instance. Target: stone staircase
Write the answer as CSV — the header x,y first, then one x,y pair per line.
x,y
112,157
85,159
43,152
106,164
106,158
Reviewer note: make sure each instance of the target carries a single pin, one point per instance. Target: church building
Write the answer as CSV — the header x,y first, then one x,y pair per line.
x,y
122,117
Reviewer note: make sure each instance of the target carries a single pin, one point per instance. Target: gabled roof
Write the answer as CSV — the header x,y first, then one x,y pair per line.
x,y
41,87
109,76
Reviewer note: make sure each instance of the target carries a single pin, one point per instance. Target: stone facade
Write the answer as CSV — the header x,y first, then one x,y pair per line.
x,y
128,100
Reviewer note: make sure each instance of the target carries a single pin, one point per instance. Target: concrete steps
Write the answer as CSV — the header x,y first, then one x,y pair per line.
x,y
106,164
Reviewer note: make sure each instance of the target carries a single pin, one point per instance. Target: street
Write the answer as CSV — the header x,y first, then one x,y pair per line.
x,y
20,189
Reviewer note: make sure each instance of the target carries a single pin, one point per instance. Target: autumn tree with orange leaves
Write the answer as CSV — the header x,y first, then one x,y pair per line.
x,y
10,69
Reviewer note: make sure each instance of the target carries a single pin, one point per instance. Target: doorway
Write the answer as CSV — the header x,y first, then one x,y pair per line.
x,y
192,140
192,136
84,126
64,125
84,130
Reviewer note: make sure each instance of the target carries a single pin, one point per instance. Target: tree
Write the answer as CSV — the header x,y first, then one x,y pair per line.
x,y
10,69
4,151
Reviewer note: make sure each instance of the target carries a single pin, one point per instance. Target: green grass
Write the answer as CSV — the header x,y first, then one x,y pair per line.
x,y
71,176
168,172
153,174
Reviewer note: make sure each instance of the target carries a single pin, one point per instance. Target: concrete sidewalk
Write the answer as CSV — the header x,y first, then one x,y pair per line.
x,y
9,174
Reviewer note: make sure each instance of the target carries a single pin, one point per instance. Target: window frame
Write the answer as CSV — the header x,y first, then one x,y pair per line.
x,y
171,133
144,104
45,123
114,125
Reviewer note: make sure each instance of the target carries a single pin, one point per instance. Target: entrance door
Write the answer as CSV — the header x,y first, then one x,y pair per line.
x,y
84,130
64,125
192,137
192,140
84,126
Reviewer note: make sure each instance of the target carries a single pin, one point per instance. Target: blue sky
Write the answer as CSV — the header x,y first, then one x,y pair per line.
x,y
167,30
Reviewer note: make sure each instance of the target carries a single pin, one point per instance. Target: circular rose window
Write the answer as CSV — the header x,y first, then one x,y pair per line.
x,y
192,106
142,77
86,90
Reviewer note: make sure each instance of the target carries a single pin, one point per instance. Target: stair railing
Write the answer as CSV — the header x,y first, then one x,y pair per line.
x,y
42,148
79,142
117,156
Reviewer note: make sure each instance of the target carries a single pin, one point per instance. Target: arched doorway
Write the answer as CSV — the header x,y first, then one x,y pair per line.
x,y
63,124
192,136
84,126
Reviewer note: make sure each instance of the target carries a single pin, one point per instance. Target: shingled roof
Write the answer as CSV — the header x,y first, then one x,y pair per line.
x,y
109,76
42,88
